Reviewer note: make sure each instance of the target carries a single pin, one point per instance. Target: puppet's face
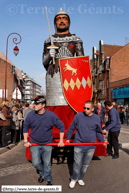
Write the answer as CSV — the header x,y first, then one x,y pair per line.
x,y
62,23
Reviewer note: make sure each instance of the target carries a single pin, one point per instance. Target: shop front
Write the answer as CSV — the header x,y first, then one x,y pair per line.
x,y
121,95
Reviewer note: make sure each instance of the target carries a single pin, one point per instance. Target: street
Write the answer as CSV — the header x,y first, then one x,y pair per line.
x,y
104,174
124,134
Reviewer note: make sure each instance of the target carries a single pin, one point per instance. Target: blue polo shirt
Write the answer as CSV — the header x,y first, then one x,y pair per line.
x,y
87,129
113,120
41,126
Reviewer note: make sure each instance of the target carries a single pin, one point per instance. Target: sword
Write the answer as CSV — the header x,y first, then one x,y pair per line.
x,y
51,38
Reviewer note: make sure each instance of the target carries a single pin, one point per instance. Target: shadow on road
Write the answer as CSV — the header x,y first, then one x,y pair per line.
x,y
65,156
125,150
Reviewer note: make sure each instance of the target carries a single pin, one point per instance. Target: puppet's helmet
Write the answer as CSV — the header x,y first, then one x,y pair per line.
x,y
61,12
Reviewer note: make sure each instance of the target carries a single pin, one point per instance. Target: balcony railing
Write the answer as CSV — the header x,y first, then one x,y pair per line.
x,y
27,92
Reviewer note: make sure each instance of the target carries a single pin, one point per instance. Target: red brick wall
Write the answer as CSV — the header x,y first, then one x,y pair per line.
x,y
120,65
10,78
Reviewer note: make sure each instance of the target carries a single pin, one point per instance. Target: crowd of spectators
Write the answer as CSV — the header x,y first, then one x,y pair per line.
x,y
123,112
12,116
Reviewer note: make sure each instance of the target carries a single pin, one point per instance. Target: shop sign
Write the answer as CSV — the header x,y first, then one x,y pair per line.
x,y
122,92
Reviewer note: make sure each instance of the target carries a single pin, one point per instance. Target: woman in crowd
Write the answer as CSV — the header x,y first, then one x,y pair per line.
x,y
14,125
5,124
122,111
20,118
2,118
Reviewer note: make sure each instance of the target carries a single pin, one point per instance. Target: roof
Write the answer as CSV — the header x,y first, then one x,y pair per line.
x,y
3,57
120,50
110,50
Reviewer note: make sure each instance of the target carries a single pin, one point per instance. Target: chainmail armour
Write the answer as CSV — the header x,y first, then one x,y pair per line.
x,y
68,46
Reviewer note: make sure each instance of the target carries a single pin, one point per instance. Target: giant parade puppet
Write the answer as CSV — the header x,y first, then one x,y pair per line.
x,y
68,76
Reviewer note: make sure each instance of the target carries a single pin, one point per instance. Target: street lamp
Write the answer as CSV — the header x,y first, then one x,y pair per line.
x,y
106,67
16,51
105,79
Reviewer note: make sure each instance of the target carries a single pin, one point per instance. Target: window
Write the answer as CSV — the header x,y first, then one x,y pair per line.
x,y
94,87
103,91
100,69
100,84
93,72
107,63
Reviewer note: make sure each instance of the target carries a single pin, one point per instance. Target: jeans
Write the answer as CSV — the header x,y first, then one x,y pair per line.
x,y
125,118
39,154
82,159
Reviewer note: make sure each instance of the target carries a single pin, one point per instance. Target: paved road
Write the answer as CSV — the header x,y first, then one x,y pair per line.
x,y
124,134
103,176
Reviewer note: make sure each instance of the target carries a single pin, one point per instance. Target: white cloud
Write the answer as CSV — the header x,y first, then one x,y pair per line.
x,y
43,75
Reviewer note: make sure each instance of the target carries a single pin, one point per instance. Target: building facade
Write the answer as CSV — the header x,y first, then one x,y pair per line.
x,y
32,89
119,81
15,85
102,71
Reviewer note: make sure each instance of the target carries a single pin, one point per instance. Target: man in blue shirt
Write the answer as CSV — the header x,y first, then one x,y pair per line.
x,y
113,126
41,122
88,127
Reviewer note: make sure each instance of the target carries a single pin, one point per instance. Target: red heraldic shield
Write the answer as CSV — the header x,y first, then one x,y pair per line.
x,y
76,81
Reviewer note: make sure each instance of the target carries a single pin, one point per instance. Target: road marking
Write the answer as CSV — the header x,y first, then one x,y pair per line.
x,y
15,169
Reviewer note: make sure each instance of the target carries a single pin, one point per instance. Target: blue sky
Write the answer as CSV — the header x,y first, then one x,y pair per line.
x,y
91,20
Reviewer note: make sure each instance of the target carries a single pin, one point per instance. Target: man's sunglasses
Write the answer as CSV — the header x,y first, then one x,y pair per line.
x,y
86,108
36,103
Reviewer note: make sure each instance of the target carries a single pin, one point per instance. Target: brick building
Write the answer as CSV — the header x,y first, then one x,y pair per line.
x,y
119,76
15,80
105,71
